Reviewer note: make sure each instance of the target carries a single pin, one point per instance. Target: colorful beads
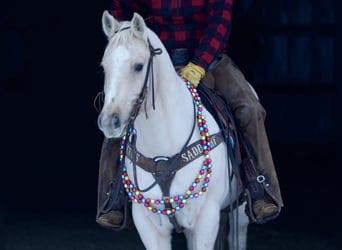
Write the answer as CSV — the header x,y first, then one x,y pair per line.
x,y
177,202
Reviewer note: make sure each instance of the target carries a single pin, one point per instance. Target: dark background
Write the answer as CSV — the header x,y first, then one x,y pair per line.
x,y
50,54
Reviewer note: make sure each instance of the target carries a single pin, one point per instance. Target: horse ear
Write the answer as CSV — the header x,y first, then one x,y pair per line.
x,y
109,24
138,25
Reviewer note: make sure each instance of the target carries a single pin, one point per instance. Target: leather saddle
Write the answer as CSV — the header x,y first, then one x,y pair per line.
x,y
238,148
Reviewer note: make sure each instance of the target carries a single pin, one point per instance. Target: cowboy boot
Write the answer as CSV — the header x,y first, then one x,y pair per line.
x,y
109,193
250,117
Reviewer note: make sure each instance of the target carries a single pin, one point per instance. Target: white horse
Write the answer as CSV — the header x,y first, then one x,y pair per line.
x,y
144,92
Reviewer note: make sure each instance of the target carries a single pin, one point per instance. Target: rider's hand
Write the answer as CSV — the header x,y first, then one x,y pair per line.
x,y
193,73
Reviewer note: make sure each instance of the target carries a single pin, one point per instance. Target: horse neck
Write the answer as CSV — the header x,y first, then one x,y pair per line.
x,y
167,127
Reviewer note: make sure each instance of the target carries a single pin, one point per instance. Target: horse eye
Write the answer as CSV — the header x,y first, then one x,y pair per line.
x,y
138,67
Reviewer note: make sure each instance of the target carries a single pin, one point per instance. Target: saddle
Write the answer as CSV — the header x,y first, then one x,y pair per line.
x,y
215,103
238,148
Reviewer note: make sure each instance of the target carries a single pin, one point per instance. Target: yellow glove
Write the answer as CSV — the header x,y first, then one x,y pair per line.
x,y
193,73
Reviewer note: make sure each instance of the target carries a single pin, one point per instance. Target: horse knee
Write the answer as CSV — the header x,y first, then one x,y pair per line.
x,y
248,113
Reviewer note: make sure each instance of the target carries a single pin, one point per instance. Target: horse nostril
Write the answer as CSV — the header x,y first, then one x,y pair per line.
x,y
99,122
116,121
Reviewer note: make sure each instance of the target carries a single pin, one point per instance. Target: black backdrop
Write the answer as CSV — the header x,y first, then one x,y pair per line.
x,y
52,56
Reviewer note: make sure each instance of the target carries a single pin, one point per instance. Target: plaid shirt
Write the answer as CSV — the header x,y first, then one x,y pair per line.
x,y
201,26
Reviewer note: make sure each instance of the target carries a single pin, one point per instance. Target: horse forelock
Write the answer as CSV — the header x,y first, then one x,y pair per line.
x,y
120,37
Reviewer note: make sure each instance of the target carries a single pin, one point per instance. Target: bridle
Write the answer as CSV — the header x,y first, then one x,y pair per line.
x,y
136,108
167,175
135,111
142,95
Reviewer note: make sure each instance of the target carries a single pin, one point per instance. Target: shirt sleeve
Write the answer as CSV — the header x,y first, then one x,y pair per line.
x,y
216,34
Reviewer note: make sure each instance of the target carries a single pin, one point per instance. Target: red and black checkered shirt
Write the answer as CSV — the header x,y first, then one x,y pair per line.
x,y
201,26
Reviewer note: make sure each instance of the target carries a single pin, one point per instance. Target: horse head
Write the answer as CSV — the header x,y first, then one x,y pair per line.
x,y
126,67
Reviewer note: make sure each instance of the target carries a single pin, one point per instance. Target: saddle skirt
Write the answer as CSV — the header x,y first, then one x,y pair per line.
x,y
239,150
215,103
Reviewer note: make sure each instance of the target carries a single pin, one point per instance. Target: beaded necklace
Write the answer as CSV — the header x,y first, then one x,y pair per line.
x,y
177,202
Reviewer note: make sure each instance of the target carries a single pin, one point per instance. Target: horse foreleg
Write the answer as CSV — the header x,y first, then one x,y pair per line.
x,y
189,239
154,237
205,231
238,226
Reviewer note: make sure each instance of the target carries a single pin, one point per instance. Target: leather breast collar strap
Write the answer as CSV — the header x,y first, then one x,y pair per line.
x,y
189,153
164,168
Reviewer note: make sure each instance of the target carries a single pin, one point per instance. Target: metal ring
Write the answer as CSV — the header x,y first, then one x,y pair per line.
x,y
260,178
161,158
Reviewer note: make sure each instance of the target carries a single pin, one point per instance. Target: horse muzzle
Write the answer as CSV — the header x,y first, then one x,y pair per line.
x,y
111,125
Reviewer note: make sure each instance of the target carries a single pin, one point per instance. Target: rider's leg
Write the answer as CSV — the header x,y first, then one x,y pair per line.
x,y
109,176
250,116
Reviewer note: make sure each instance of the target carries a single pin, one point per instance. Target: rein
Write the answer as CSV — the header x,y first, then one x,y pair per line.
x,y
142,95
135,112
166,176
